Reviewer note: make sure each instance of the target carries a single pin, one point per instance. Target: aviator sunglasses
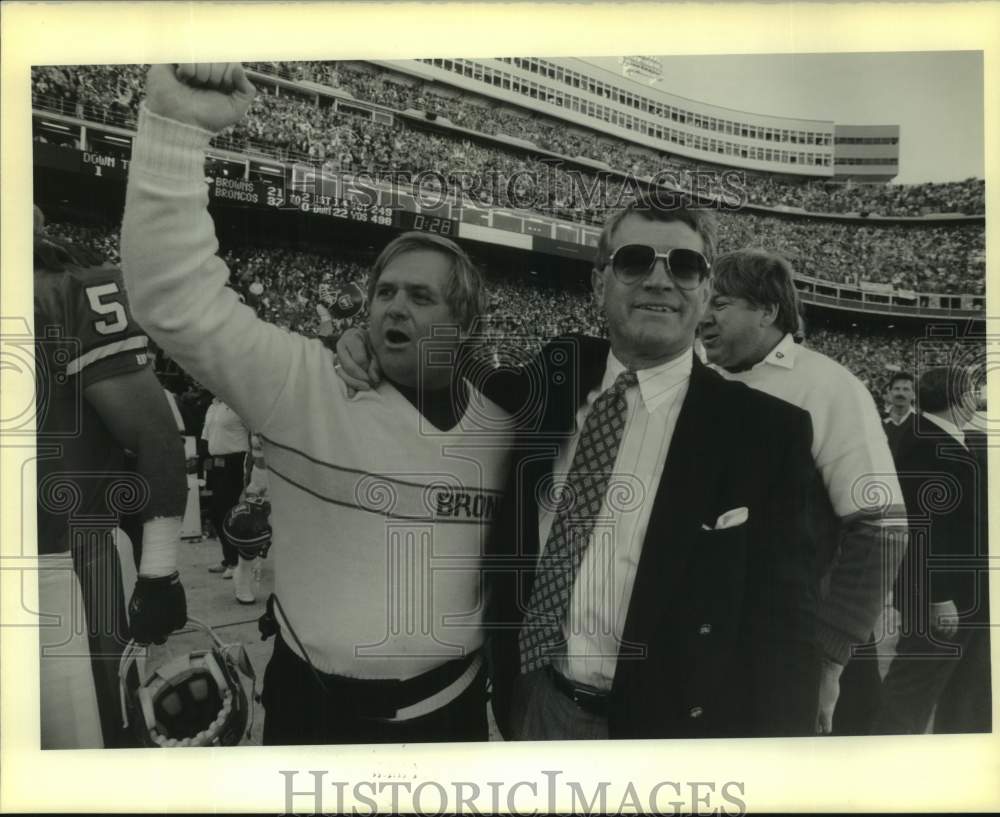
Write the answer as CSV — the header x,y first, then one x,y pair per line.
x,y
631,263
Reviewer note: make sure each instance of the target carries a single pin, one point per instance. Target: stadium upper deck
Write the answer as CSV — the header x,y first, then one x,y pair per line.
x,y
587,94
110,94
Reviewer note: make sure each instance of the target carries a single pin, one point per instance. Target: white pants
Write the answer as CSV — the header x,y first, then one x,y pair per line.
x,y
69,713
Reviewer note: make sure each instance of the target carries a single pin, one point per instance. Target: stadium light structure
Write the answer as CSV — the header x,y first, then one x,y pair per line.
x,y
648,70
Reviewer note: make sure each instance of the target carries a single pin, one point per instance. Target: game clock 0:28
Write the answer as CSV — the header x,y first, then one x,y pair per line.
x,y
430,224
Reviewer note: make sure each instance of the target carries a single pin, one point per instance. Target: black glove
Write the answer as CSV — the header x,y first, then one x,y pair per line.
x,y
158,607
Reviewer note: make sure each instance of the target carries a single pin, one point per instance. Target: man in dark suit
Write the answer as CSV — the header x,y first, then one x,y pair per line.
x,y
651,573
943,654
683,607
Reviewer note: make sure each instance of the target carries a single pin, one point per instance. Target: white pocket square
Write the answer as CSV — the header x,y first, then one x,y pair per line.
x,y
730,519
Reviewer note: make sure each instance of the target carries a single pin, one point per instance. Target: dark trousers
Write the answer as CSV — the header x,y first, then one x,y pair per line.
x,y
540,711
958,685
860,692
299,711
226,484
98,570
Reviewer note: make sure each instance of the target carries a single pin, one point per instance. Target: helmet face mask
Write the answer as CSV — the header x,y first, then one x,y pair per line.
x,y
196,699
247,527
346,302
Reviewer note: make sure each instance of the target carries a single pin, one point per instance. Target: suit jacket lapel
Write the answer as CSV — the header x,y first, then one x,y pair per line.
x,y
570,367
685,497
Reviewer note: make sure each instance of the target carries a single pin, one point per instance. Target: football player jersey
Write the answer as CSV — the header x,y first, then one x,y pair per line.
x,y
84,333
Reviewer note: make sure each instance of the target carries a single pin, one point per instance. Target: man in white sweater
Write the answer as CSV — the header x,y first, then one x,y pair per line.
x,y
748,335
381,500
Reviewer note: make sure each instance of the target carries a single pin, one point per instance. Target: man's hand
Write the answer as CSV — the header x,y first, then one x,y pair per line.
x,y
944,618
357,365
829,692
208,95
158,607
325,321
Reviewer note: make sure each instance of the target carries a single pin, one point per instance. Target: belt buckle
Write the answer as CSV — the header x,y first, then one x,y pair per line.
x,y
581,696
585,696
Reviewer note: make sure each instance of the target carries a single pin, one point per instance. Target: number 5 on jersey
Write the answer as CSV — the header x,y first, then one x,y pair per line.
x,y
105,300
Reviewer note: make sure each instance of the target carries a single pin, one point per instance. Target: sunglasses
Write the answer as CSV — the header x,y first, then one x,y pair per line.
x,y
631,263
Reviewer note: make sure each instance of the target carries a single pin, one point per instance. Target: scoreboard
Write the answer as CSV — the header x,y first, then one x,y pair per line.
x,y
320,204
432,224
313,191
86,162
380,211
245,192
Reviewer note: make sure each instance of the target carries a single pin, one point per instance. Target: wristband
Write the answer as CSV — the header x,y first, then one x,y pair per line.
x,y
832,666
159,546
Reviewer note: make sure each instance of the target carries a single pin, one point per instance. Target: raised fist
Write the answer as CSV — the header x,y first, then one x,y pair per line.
x,y
209,95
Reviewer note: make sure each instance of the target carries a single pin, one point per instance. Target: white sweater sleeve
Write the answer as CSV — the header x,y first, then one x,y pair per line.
x,y
177,284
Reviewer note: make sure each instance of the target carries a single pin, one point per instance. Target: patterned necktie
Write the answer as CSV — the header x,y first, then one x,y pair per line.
x,y
579,506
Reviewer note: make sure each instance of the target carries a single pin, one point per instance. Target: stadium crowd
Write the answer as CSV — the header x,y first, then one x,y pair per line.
x,y
487,117
521,314
931,258
100,93
938,258
941,258
291,283
111,94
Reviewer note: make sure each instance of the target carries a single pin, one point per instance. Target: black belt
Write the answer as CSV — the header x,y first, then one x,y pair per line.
x,y
587,698
383,697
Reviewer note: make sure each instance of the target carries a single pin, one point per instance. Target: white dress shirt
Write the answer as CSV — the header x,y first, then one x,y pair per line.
x,y
224,431
600,599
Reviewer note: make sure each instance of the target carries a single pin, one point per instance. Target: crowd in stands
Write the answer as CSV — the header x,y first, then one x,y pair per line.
x,y
522,310
293,283
305,129
103,241
320,72
967,196
933,258
484,116
521,314
937,259
100,93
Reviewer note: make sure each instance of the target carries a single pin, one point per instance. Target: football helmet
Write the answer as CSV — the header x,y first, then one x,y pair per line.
x,y
196,699
347,302
248,528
